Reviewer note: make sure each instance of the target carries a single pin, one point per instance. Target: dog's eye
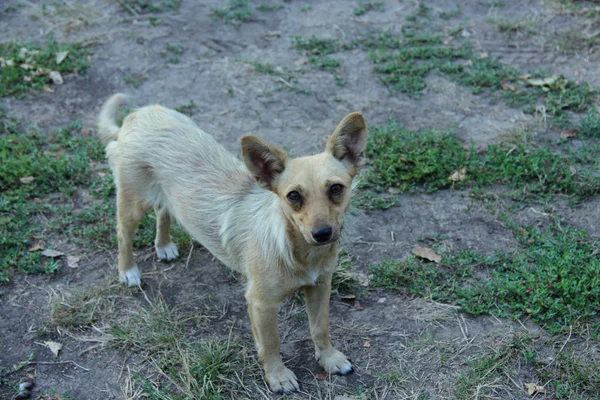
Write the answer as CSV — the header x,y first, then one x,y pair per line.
x,y
294,197
336,189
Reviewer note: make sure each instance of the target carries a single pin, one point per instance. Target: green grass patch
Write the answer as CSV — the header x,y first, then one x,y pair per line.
x,y
407,161
171,53
318,50
366,6
27,66
235,12
135,80
136,7
553,279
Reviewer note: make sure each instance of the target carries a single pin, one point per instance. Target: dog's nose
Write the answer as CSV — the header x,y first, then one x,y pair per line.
x,y
323,234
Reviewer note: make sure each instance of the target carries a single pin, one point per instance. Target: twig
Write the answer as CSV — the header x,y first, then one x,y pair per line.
x,y
58,362
187,263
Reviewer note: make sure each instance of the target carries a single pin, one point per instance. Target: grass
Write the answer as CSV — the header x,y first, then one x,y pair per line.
x,y
172,52
409,161
525,26
135,7
235,12
552,279
40,175
366,6
270,7
284,78
27,66
318,50
135,80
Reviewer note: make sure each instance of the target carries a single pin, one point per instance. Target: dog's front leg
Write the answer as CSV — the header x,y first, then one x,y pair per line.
x,y
263,317
317,307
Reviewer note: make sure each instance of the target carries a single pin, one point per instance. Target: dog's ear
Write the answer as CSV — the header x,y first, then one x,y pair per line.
x,y
264,160
349,142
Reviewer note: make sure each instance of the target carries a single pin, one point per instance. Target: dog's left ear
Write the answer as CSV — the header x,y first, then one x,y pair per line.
x,y
349,142
264,160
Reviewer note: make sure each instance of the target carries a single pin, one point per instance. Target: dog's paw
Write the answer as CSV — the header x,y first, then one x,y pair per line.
x,y
335,362
168,252
282,380
131,277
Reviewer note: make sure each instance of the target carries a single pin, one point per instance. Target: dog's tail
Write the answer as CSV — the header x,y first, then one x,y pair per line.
x,y
108,129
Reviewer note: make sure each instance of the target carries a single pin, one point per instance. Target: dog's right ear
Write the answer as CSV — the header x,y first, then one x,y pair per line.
x,y
264,160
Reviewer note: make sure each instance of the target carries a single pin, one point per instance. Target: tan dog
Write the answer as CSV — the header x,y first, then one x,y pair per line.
x,y
275,219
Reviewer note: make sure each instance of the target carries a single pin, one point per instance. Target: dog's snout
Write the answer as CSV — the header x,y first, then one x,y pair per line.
x,y
322,234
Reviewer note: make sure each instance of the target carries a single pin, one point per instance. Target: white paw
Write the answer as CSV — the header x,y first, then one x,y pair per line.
x,y
168,252
131,277
335,362
282,380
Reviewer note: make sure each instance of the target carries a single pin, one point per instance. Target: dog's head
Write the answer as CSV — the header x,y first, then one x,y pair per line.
x,y
314,191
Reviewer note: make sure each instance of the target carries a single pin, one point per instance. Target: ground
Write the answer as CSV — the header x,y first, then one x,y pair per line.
x,y
505,90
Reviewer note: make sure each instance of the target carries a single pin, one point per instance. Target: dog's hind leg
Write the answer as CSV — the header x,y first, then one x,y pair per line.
x,y
129,214
166,250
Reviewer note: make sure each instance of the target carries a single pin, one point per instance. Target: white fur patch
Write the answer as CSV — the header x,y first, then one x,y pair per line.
x,y
131,277
168,252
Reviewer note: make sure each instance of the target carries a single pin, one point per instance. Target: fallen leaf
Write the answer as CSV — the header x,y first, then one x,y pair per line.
x,y
10,63
54,347
48,89
368,372
52,253
382,300
533,388
85,131
551,80
573,170
300,61
60,56
27,179
427,253
56,78
358,307
321,376
27,78
273,35
367,344
224,112
458,175
37,246
72,261
101,174
348,297
26,66
568,133
484,54
508,86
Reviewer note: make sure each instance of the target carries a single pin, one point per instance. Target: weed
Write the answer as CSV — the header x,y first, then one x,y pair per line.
x,y
366,6
317,50
305,8
135,7
235,12
270,7
27,66
135,80
154,21
343,281
172,53
573,41
525,26
187,109
450,13
589,126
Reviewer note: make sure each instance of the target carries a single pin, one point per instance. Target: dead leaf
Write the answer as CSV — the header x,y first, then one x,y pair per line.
x,y
52,253
224,112
72,261
508,86
542,82
56,78
54,347
48,89
348,297
60,56
26,66
27,78
367,344
458,175
273,35
10,63
484,54
37,246
534,388
27,179
568,133
368,372
321,376
382,300
573,170
85,131
427,253
101,174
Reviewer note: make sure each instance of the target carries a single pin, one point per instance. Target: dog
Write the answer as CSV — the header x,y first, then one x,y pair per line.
x,y
273,218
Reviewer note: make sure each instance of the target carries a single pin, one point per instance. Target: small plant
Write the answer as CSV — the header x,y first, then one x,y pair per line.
x,y
366,6
135,80
172,53
135,7
235,12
